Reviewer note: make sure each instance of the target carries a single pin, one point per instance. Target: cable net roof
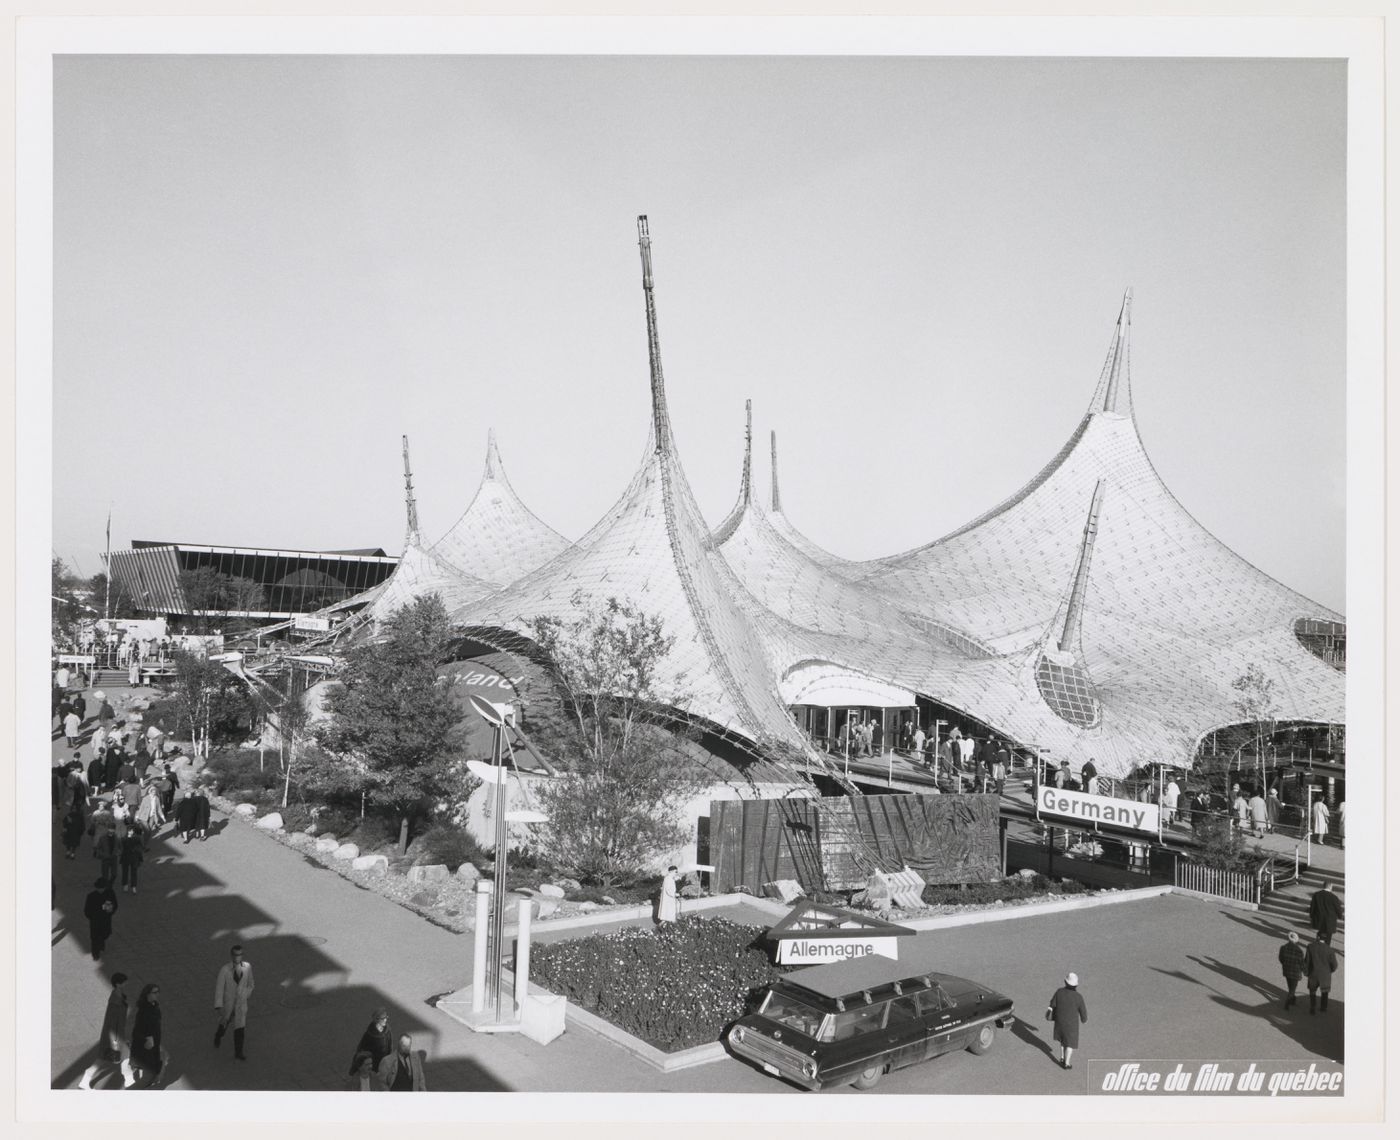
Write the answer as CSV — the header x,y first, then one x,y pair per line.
x,y
1170,615
421,572
498,538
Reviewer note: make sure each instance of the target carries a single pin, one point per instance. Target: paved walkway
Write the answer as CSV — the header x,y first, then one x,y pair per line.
x,y
1164,978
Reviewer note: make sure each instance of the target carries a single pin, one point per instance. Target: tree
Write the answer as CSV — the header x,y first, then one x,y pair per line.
x,y
1255,704
212,596
292,717
212,703
122,603
67,608
390,715
628,769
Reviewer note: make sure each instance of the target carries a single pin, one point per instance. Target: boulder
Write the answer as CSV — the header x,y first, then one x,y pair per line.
x,y
327,842
468,873
569,884
587,907
784,890
429,873
552,890
374,864
1024,873
345,852
691,891
545,906
607,900
198,764
903,888
272,821
301,839
245,811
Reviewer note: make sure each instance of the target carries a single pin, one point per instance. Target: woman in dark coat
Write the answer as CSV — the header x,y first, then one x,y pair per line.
x,y
187,816
98,908
147,1057
201,813
1067,1010
74,826
377,1040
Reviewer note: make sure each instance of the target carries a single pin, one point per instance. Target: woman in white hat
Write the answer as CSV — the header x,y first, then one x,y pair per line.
x,y
1067,1010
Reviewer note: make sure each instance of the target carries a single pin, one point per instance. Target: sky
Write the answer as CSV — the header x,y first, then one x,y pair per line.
x,y
269,269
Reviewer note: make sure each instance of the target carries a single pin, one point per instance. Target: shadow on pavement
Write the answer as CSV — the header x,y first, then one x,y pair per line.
x,y
1273,928
1023,1030
305,1016
1321,1033
1240,977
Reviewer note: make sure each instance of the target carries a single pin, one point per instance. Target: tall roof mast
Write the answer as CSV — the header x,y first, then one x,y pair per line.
x,y
412,538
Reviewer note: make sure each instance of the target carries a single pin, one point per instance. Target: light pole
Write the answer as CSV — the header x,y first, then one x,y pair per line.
x,y
495,716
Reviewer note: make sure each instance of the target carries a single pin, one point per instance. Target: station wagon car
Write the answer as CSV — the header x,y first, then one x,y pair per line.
x,y
852,1022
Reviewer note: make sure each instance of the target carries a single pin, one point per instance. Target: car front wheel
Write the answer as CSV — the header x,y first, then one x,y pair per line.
x,y
983,1040
870,1078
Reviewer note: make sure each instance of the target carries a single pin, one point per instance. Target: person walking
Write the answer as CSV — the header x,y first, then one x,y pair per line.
x,y
919,741
877,737
667,902
155,739
148,1058
1325,912
71,726
1170,795
1258,814
201,814
149,815
402,1070
1321,816
1321,961
1293,959
111,1040
95,770
187,816
1273,808
98,908
74,827
998,773
132,853
1240,806
1067,1010
376,1042
232,989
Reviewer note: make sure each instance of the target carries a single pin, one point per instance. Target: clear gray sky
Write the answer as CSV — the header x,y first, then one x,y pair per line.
x,y
268,269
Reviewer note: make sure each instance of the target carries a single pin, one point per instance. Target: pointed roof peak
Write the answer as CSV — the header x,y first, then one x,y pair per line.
x,y
736,514
777,500
1115,377
495,469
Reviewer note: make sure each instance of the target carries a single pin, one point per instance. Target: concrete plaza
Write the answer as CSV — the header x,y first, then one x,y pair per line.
x,y
1169,977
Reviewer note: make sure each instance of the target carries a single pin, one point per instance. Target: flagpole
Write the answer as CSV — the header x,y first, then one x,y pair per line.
x,y
107,604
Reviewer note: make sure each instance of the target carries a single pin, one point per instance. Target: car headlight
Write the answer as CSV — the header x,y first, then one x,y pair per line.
x,y
809,1068
738,1034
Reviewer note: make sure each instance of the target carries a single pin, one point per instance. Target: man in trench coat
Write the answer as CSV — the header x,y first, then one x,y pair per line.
x,y
232,989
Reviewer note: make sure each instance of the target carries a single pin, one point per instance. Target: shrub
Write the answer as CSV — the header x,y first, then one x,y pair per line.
x,y
238,770
1015,887
675,987
373,831
444,843
296,817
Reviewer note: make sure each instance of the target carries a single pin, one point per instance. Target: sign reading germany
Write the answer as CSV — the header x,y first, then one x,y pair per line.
x,y
1097,809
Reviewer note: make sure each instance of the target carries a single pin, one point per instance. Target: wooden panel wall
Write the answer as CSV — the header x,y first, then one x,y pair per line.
x,y
834,844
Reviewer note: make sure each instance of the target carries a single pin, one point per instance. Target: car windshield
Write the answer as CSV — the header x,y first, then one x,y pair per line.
x,y
795,1014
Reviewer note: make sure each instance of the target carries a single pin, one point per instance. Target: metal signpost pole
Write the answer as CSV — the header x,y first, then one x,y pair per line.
x,y
498,894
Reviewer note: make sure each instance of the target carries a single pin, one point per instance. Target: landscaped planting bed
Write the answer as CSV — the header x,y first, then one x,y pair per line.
x,y
675,987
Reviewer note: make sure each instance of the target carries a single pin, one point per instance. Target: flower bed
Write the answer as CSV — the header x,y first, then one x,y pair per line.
x,y
674,987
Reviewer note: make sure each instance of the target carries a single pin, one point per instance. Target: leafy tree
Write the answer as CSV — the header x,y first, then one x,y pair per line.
x,y
123,605
67,608
1255,704
210,702
212,596
393,729
291,716
628,769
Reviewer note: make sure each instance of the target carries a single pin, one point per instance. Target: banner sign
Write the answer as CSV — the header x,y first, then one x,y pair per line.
x,y
312,624
1085,808
810,951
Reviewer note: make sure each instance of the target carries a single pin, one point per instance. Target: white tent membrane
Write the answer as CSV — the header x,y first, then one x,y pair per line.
x,y
653,550
498,538
1166,619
